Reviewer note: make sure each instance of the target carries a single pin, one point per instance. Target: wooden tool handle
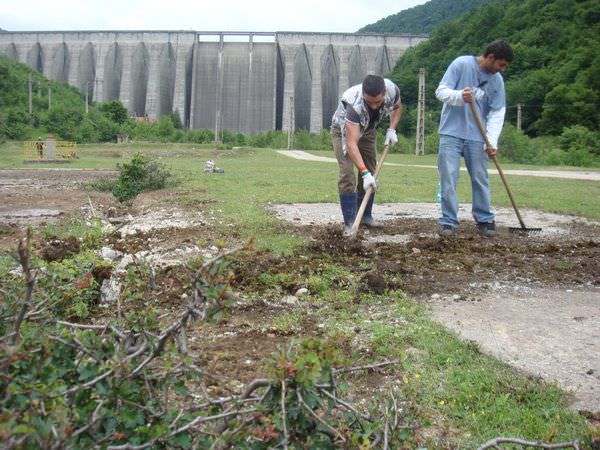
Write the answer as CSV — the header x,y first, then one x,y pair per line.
x,y
368,193
496,163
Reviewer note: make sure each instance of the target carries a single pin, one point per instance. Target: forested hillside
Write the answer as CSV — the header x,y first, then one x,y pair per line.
x,y
556,71
422,18
56,107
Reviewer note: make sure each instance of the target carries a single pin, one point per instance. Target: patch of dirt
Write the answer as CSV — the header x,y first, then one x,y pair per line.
x,y
512,294
516,295
41,196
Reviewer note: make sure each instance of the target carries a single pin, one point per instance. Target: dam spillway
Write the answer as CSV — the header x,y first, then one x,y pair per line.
x,y
247,82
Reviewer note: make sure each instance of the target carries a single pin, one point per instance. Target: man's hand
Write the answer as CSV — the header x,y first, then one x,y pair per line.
x,y
369,181
467,95
391,138
470,94
491,151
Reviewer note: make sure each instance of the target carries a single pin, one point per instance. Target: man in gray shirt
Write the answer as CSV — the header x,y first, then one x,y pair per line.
x,y
353,133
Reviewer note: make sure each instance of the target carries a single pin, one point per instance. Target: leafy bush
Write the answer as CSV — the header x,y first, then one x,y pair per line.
x,y
203,136
579,136
138,175
580,146
114,111
515,146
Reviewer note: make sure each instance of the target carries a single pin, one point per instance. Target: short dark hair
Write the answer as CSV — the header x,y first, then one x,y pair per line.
x,y
500,49
373,85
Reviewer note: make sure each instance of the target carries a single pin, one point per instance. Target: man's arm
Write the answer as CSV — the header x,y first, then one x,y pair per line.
x,y
395,115
352,137
390,136
494,122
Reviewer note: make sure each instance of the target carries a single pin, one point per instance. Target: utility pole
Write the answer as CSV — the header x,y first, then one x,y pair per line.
x,y
219,96
291,125
29,85
420,148
49,98
518,116
87,95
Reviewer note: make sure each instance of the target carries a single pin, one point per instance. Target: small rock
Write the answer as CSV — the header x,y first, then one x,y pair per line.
x,y
590,372
301,292
110,291
435,296
456,297
126,261
110,254
416,250
290,299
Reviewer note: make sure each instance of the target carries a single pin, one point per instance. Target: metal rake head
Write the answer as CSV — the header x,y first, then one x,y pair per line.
x,y
524,230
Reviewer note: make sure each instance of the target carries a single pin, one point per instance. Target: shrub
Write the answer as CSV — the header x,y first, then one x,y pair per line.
x,y
580,146
579,136
516,146
432,143
115,111
138,175
166,129
203,136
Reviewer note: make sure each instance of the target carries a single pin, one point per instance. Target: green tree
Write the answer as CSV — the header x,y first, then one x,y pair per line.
x,y
115,111
568,105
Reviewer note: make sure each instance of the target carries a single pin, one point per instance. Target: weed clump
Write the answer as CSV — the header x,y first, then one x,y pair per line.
x,y
140,174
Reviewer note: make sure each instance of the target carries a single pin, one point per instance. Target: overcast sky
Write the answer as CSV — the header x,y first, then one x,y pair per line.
x,y
344,16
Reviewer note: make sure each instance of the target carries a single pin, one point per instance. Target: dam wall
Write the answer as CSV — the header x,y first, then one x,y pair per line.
x,y
239,81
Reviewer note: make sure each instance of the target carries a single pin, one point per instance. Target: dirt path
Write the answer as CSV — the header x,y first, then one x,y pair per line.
x,y
571,174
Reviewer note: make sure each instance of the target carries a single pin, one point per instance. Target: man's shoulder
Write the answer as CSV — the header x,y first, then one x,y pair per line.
x,y
464,60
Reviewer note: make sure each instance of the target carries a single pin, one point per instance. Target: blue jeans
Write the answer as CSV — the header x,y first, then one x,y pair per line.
x,y
476,160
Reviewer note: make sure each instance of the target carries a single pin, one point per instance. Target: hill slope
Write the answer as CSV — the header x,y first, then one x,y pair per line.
x,y
422,18
556,72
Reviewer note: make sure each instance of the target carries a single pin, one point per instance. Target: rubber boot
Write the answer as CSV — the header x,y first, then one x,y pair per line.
x,y
367,219
348,204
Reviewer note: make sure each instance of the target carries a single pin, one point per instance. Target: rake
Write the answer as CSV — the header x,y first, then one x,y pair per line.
x,y
523,228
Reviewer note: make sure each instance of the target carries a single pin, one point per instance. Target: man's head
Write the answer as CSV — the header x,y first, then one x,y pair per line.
x,y
497,56
373,90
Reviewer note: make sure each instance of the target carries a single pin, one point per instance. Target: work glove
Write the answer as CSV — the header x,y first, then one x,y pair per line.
x,y
368,181
390,137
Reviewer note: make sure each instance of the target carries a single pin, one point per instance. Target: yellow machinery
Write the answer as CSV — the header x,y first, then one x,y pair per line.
x,y
49,150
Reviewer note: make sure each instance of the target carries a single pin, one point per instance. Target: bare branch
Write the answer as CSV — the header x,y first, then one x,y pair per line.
x,y
77,346
325,424
203,419
95,417
254,385
494,443
102,328
346,405
283,416
85,385
372,366
24,253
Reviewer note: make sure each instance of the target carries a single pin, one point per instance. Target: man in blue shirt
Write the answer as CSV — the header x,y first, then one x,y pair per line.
x,y
468,79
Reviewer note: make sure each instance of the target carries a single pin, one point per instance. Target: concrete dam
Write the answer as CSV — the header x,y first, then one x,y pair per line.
x,y
238,81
